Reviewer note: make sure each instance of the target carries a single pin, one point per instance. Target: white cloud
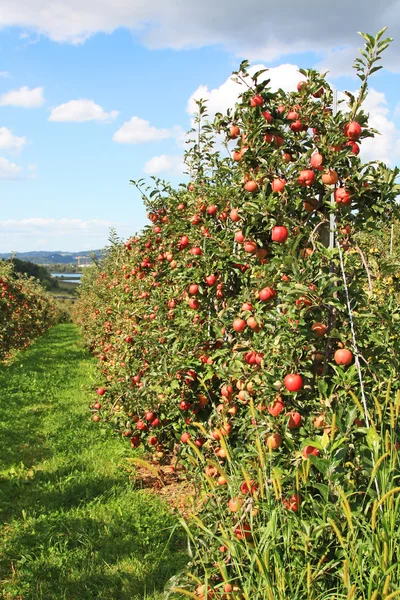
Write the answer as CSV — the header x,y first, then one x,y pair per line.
x,y
139,131
24,97
9,170
285,76
265,31
79,111
384,147
4,74
164,163
9,141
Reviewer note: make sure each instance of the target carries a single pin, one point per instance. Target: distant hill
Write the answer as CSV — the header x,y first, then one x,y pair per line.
x,y
42,257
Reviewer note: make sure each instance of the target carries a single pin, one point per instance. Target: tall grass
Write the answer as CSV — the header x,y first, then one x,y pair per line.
x,y
339,540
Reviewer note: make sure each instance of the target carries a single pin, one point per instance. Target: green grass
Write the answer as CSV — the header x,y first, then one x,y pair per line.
x,y
72,525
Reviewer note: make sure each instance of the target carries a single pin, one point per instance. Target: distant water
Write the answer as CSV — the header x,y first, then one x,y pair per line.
x,y
68,277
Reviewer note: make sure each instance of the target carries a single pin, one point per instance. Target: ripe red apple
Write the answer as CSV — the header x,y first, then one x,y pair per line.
x,y
293,382
294,420
330,177
256,100
266,294
273,441
278,185
238,324
276,408
253,324
184,241
316,161
247,306
196,251
249,487
250,247
355,148
96,418
267,116
251,186
194,303
352,130
319,93
293,503
319,329
185,437
149,415
135,441
307,450
286,157
279,234
261,254
211,280
243,531
184,405
343,357
302,85
193,289
342,196
100,391
306,178
234,215
234,504
234,132
211,210
297,126
239,237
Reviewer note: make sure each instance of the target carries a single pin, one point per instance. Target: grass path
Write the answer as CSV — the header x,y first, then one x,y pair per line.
x,y
72,525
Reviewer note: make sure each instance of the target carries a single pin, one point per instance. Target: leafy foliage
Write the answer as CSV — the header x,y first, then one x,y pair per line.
x,y
224,334
26,311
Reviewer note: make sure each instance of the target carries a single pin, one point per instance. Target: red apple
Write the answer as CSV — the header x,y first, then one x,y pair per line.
x,y
343,357
293,382
342,196
276,408
306,178
266,294
238,324
279,234
307,450
352,130
278,185
251,186
256,100
210,280
294,420
234,132
316,161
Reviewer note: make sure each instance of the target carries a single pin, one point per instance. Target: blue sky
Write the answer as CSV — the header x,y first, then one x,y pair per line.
x,y
68,147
